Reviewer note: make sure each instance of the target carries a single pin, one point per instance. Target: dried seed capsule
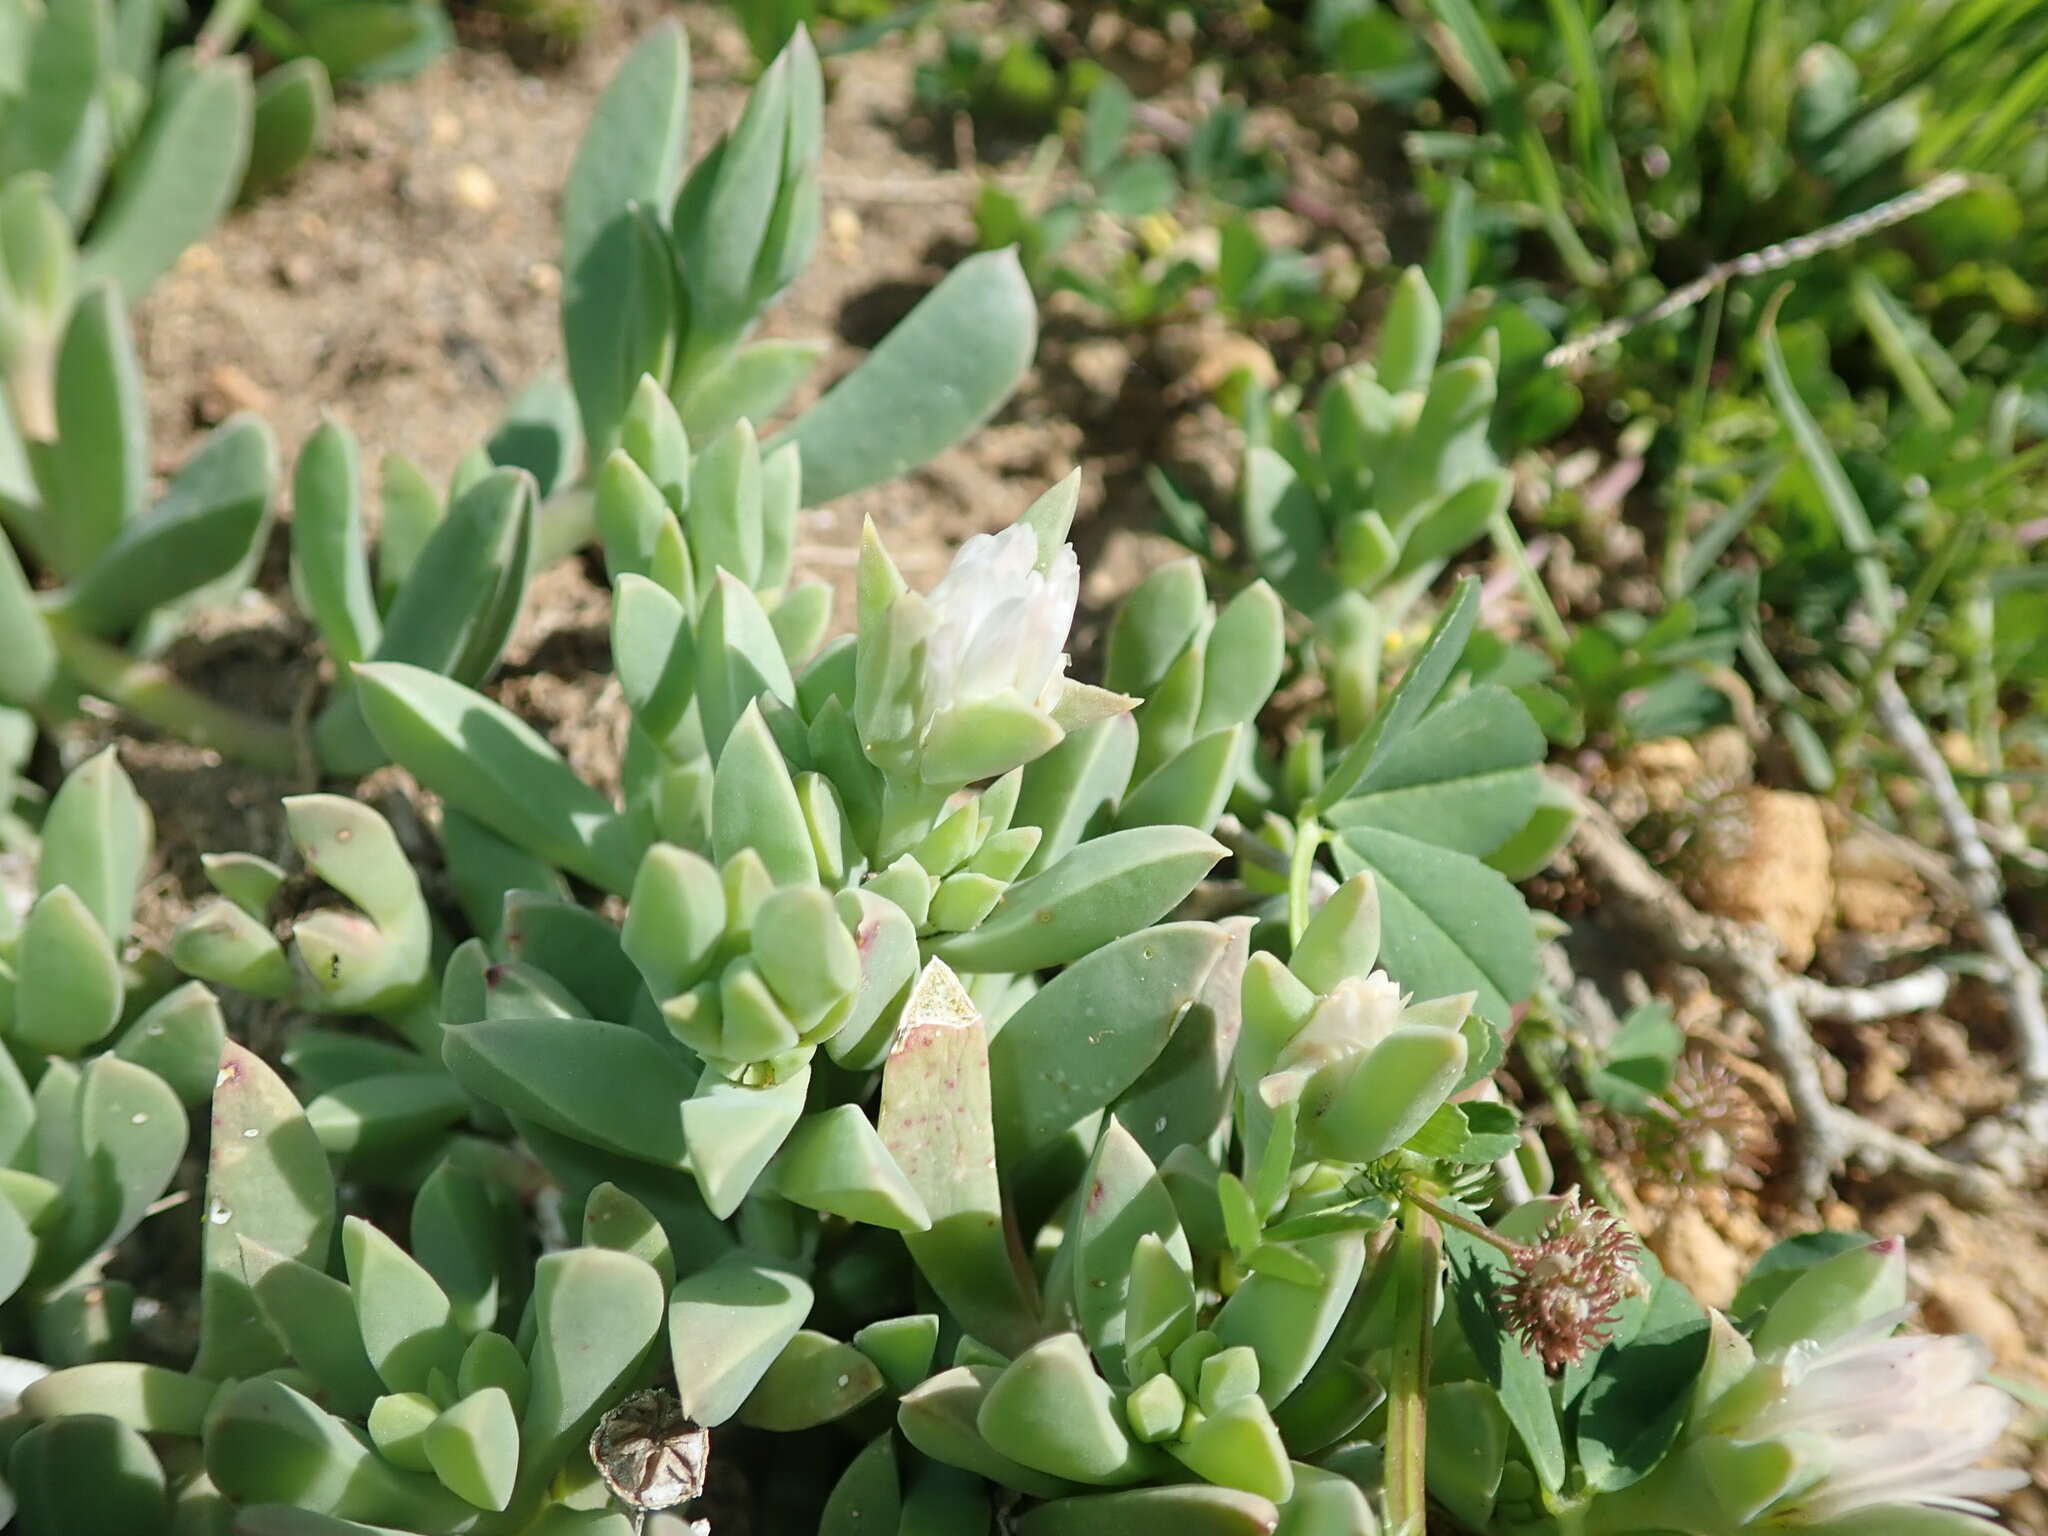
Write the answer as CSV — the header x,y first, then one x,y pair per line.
x,y
650,1455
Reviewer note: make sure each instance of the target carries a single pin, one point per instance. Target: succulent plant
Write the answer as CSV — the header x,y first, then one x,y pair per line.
x,y
914,1132
103,1055
122,569
96,129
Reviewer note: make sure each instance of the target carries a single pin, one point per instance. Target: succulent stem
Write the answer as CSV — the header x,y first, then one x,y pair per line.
x,y
148,691
1418,1259
1543,1068
1308,838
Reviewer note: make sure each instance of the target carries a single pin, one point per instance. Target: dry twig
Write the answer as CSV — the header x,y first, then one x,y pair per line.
x,y
2024,1004
1742,961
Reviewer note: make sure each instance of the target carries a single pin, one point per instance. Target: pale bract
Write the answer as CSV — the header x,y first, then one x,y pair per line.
x,y
999,624
1891,1420
1356,1016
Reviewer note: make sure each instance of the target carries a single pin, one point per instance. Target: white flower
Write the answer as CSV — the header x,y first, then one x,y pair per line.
x,y
1358,1015
999,625
1893,1420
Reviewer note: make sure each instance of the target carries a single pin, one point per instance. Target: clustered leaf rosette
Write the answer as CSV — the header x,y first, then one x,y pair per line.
x,y
103,1054
1338,1047
1352,510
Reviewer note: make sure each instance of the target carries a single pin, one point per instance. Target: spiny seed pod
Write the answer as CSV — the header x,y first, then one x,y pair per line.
x,y
1568,1283
1706,1129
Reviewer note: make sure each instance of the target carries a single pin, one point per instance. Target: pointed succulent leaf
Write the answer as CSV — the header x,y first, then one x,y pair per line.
x,y
1093,1030
1245,654
1343,939
754,804
88,1472
815,1380
941,1419
1190,788
984,738
1125,1204
458,1234
179,1037
178,177
207,528
1050,1410
493,1361
267,1182
1107,887
1238,1447
407,1327
802,616
330,567
596,1315
268,1444
294,101
936,1123
739,659
1077,785
835,1162
607,1085
67,984
886,938
221,943
250,881
902,1347
675,919
654,653
473,1448
99,460
733,1130
1363,1108
146,1398
30,655
95,839
63,62
630,157
727,1325
1286,1325
942,372
725,508
1448,444
1409,335
1284,533
314,1315
398,1423
614,1219
1154,626
491,765
413,509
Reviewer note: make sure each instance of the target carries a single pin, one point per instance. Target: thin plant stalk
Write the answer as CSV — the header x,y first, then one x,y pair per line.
x,y
1418,1259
